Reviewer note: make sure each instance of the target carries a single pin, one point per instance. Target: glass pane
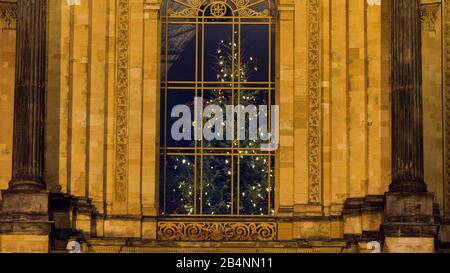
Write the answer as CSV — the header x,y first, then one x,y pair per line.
x,y
180,52
218,53
272,53
252,100
180,184
217,99
255,53
272,185
216,192
175,100
254,180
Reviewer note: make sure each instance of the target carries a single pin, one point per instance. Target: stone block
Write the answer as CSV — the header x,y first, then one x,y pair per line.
x,y
25,202
411,208
408,245
23,243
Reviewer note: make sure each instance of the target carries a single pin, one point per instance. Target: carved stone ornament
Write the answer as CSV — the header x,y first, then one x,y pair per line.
x,y
217,231
8,14
122,101
315,102
429,15
446,57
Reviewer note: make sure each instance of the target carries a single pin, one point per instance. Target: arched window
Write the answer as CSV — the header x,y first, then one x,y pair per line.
x,y
216,54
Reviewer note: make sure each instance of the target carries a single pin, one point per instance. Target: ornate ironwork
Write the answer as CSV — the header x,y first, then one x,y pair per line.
x,y
218,8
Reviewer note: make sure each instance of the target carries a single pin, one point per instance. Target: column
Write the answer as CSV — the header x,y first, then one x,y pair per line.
x,y
408,224
29,100
24,219
407,118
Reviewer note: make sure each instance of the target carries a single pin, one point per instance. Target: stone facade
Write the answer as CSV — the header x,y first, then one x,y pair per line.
x,y
334,162
7,61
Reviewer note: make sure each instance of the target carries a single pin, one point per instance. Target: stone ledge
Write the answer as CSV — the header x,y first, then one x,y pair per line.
x,y
142,246
409,230
370,203
25,227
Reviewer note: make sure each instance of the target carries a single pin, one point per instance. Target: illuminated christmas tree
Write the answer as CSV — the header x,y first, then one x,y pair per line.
x,y
252,176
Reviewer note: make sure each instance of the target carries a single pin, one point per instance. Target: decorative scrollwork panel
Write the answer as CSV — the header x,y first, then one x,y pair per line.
x,y
216,231
315,102
122,99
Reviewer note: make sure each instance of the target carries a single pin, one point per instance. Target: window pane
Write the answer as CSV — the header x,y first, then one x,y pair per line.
x,y
255,52
221,98
254,181
180,53
218,53
216,185
175,99
179,184
252,100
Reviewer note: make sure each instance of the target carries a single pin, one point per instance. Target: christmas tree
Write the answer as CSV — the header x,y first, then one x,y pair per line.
x,y
218,172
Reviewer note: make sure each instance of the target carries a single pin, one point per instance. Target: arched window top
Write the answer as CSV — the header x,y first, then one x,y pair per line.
x,y
218,8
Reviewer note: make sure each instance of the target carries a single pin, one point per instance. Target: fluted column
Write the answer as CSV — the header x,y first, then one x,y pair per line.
x,y
406,80
29,100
